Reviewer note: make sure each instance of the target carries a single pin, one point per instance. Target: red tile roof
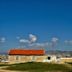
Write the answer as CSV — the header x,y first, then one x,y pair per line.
x,y
26,52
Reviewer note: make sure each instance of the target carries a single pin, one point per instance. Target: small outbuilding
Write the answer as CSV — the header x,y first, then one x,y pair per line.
x,y
23,55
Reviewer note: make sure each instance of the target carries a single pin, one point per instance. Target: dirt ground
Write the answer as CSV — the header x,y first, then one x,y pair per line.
x,y
3,70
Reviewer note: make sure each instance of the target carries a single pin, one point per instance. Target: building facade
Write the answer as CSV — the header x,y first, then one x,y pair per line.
x,y
22,56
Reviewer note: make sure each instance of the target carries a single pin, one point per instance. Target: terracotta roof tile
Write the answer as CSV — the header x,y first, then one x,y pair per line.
x,y
26,52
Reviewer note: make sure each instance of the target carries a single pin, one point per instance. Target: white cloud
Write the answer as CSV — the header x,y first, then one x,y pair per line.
x,y
23,41
2,39
40,44
54,39
32,38
68,42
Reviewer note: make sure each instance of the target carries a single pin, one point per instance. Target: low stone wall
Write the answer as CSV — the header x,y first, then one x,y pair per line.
x,y
65,60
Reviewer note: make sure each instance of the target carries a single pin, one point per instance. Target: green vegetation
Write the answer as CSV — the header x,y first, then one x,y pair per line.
x,y
4,65
70,63
39,67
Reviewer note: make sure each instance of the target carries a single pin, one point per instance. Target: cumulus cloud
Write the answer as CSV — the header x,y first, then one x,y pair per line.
x,y
32,38
23,41
54,39
31,42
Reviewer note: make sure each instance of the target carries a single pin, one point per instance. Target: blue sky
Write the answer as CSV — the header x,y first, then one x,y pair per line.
x,y
44,18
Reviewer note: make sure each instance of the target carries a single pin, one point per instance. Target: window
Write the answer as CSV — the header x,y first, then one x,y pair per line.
x,y
17,57
33,58
49,58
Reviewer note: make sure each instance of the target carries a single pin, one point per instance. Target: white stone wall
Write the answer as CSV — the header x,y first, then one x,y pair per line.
x,y
22,58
